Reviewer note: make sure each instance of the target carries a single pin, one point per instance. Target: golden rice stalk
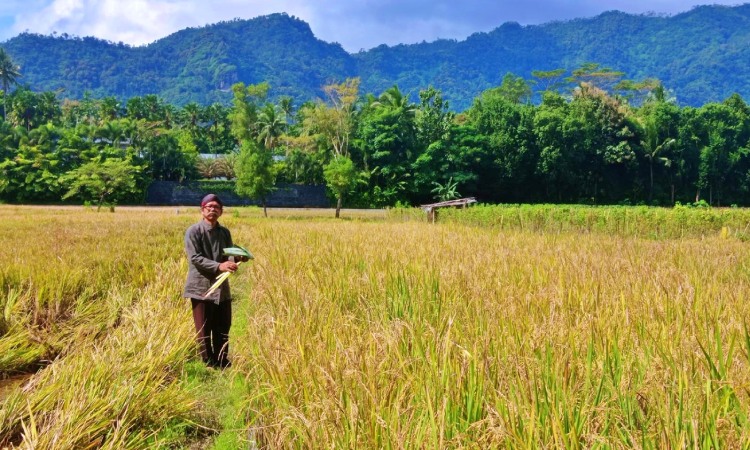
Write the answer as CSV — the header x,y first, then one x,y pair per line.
x,y
230,251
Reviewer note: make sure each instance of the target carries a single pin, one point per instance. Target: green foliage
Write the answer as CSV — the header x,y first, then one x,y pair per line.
x,y
340,175
9,73
255,172
171,156
113,179
509,142
650,222
387,136
589,147
194,65
215,185
703,55
514,89
300,166
447,191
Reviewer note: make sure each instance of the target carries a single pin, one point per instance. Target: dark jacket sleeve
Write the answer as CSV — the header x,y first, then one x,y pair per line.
x,y
197,255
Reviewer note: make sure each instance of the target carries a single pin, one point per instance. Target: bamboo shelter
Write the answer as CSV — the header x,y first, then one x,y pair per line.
x,y
432,208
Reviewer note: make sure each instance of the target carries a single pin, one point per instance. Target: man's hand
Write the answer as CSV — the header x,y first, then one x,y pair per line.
x,y
227,266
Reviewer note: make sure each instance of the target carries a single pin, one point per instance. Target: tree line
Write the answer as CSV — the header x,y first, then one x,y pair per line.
x,y
601,142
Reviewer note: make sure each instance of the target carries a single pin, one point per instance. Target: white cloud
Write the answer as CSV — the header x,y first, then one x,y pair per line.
x,y
138,22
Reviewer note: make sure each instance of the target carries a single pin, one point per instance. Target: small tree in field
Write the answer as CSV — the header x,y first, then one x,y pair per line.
x,y
97,181
340,176
255,172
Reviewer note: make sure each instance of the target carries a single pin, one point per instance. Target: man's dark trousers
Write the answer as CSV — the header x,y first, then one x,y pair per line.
x,y
212,323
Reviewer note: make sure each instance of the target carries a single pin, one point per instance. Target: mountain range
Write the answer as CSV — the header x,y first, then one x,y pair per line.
x,y
701,56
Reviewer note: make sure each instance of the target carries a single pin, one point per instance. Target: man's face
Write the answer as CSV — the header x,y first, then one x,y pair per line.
x,y
211,211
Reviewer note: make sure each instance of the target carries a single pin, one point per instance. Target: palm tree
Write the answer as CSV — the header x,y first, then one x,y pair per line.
x,y
287,106
394,99
112,133
653,146
9,73
109,109
271,125
190,116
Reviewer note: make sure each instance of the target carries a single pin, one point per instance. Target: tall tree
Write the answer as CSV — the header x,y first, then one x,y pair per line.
x,y
593,74
286,104
514,89
9,74
548,80
658,121
246,102
387,134
556,135
507,128
606,138
255,172
109,108
433,117
255,167
454,160
33,173
433,122
271,125
334,123
723,137
218,132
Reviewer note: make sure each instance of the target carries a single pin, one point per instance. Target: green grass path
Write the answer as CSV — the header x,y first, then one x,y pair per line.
x,y
225,390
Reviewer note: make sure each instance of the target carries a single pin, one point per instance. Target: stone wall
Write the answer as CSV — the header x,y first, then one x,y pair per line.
x,y
171,193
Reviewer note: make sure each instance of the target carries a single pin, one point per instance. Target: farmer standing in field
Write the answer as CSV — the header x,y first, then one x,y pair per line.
x,y
204,244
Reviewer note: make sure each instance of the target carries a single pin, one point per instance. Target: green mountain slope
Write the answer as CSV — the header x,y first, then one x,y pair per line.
x,y
195,64
702,55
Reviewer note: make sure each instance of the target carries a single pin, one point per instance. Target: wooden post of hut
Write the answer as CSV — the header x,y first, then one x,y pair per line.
x,y
432,208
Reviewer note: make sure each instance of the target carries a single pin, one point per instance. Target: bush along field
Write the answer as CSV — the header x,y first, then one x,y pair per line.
x,y
382,332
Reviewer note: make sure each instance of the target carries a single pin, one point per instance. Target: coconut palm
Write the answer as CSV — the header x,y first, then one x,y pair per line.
x,y
271,125
9,74
190,117
287,106
653,146
109,109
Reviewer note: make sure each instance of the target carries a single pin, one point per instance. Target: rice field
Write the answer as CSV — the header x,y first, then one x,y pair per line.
x,y
380,331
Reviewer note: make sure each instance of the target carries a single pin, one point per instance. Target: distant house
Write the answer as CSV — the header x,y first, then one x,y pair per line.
x,y
121,143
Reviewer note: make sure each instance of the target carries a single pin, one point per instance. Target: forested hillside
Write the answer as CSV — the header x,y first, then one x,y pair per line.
x,y
195,64
701,56
560,130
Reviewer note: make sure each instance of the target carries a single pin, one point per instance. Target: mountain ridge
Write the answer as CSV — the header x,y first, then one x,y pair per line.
x,y
702,55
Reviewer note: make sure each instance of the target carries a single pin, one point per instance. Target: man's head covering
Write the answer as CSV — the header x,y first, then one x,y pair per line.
x,y
211,198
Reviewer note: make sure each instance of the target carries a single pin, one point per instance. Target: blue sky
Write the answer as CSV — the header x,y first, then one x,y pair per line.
x,y
355,24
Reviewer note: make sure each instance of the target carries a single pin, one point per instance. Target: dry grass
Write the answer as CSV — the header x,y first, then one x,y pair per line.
x,y
92,302
383,335
389,333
